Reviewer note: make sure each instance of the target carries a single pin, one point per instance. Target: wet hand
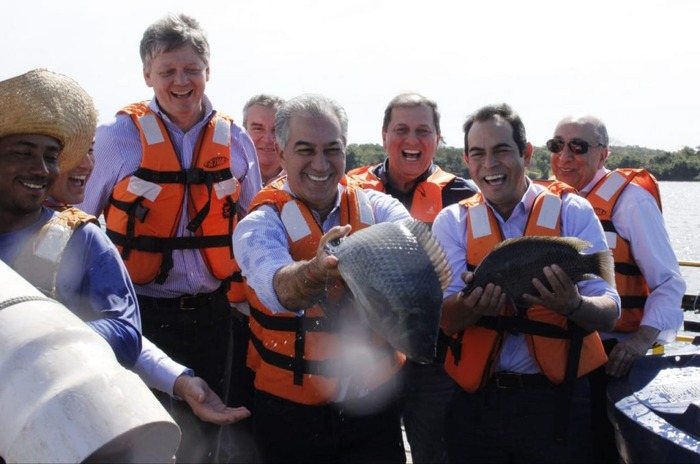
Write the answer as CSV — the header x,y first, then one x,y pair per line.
x,y
325,266
205,403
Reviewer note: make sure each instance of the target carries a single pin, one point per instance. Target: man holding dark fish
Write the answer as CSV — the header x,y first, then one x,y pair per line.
x,y
520,359
325,381
628,204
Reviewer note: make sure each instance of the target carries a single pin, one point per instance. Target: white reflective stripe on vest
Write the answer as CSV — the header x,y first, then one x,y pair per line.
x,y
479,221
143,188
222,132
549,213
611,185
225,188
151,129
365,208
294,221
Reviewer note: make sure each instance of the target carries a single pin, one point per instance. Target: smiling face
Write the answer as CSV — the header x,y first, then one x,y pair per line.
x,y
496,164
260,124
411,141
179,78
28,169
577,170
69,188
314,158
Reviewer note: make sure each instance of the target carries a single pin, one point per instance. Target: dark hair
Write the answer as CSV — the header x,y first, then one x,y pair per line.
x,y
410,100
503,111
170,33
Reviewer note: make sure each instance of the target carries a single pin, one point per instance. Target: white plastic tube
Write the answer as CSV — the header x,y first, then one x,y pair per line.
x,y
63,395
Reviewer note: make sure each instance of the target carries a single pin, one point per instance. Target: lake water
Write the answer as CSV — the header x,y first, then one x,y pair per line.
x,y
681,206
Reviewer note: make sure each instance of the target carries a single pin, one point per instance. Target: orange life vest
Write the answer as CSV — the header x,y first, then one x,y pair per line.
x,y
470,360
145,208
630,282
298,357
427,196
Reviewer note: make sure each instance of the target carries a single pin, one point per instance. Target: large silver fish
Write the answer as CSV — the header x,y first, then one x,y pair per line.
x,y
513,264
397,273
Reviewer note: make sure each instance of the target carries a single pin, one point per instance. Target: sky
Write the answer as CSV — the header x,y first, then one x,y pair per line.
x,y
633,63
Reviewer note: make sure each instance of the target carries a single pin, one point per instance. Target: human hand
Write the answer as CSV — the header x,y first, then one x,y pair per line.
x,y
205,403
562,294
622,356
325,266
484,301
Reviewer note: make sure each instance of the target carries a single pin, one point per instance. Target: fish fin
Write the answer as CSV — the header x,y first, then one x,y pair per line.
x,y
606,265
576,243
433,249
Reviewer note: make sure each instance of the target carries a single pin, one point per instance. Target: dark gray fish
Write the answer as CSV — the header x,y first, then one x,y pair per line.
x,y
515,262
397,273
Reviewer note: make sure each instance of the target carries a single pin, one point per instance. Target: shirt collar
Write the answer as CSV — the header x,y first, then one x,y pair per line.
x,y
381,172
598,175
336,206
208,111
525,202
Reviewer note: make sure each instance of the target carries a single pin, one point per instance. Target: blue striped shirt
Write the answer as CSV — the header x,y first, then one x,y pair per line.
x,y
118,154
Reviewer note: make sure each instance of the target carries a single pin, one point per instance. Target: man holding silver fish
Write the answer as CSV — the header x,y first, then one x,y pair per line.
x,y
411,136
648,277
325,389
522,370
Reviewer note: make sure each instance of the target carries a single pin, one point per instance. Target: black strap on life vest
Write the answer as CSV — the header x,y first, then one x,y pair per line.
x,y
192,176
300,326
298,365
515,325
502,324
633,301
567,387
291,324
165,245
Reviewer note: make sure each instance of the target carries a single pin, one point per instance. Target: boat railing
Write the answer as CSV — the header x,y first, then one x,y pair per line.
x,y
691,302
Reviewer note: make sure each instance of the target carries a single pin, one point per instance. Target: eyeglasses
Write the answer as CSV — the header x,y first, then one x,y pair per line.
x,y
577,146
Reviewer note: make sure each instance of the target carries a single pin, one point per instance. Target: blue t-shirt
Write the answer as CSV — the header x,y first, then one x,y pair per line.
x,y
92,281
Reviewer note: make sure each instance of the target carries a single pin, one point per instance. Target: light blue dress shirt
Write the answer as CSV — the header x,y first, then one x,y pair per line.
x,y
577,220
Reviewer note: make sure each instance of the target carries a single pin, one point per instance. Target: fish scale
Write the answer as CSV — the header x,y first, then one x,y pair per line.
x,y
397,273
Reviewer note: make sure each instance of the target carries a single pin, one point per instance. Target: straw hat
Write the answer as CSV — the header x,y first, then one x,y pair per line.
x,y
48,103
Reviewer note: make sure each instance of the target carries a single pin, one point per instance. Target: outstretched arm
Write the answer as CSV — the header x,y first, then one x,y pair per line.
x,y
205,403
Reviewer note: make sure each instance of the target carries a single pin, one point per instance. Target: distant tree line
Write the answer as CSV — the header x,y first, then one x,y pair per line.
x,y
681,165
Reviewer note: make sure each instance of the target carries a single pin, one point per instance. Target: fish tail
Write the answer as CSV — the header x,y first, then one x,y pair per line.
x,y
433,249
605,265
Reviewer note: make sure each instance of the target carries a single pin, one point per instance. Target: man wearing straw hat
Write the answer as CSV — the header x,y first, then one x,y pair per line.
x,y
173,176
48,122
